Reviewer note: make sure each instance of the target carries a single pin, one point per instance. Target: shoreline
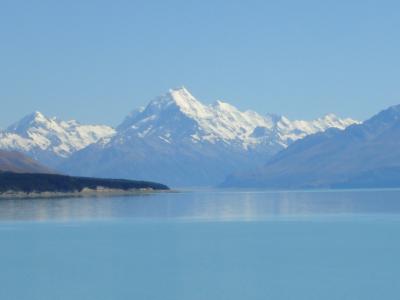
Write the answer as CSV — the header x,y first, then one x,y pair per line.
x,y
86,192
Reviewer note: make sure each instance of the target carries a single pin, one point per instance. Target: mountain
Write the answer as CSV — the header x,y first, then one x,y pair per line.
x,y
178,140
11,161
363,155
50,140
219,122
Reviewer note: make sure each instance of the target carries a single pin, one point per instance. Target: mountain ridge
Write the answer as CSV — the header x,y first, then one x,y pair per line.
x,y
175,139
12,161
178,140
334,158
223,121
50,140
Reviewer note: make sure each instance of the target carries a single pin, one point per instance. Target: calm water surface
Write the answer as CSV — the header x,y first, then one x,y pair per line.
x,y
203,245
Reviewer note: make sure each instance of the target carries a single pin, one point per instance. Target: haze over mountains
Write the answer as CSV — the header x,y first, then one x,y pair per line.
x,y
12,161
175,139
361,156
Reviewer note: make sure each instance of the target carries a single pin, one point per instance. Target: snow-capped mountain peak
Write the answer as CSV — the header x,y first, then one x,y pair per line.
x,y
28,121
179,96
179,140
223,105
175,137
220,121
323,123
36,134
332,119
188,104
179,114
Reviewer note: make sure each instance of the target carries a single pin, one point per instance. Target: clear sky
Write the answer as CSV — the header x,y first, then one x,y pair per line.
x,y
97,60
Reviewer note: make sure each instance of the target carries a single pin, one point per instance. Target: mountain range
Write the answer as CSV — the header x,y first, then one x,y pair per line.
x,y
361,156
175,139
50,140
180,141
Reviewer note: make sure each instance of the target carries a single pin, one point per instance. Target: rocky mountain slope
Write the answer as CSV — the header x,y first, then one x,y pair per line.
x,y
363,155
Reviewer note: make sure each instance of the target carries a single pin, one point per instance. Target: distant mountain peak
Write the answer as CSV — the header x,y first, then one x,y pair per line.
x,y
177,96
395,108
341,123
26,122
37,135
182,89
223,105
390,114
384,119
175,135
187,102
219,121
177,139
363,155
330,116
38,114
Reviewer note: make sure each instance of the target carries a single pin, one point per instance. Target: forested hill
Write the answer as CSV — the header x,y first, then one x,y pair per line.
x,y
39,183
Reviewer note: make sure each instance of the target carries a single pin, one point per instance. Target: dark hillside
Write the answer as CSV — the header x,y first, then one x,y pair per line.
x,y
25,182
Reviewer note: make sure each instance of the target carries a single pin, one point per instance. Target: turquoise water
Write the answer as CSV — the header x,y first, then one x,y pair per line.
x,y
203,245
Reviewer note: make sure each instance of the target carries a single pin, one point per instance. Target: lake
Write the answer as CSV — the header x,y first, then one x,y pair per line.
x,y
203,244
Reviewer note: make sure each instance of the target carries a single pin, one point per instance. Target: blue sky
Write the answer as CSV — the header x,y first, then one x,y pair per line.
x,y
97,60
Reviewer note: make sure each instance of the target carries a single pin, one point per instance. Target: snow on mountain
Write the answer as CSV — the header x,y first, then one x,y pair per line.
x,y
220,122
365,155
291,131
178,140
49,139
175,139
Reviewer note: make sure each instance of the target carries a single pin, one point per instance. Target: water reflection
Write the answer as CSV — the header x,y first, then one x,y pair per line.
x,y
204,205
